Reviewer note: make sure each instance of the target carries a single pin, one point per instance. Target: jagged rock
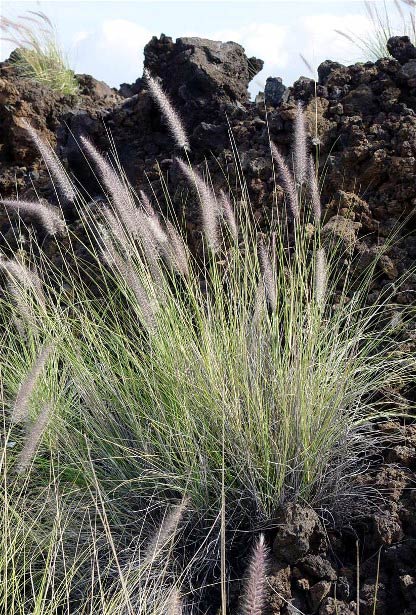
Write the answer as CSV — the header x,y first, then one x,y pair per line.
x,y
299,528
318,592
278,586
201,69
326,68
331,606
127,90
96,90
408,73
317,567
274,91
341,232
401,48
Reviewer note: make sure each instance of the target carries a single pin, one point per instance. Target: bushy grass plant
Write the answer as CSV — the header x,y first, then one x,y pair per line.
x,y
39,55
387,19
237,379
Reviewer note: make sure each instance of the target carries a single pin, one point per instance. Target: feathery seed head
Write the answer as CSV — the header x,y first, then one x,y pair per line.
x,y
259,304
268,276
48,215
174,606
321,276
20,410
255,587
33,438
146,204
229,214
52,162
314,192
169,113
301,147
120,196
126,271
208,202
287,181
166,531
178,250
22,283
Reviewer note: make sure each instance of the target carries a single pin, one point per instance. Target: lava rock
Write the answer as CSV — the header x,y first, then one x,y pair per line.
x,y
274,91
298,530
401,49
198,68
318,592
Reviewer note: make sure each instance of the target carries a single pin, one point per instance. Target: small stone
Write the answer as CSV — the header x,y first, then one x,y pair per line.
x,y
298,526
331,606
318,567
303,584
274,91
401,48
407,581
318,592
388,267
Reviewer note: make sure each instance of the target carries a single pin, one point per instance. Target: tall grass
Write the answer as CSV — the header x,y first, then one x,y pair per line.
x,y
385,23
39,55
235,379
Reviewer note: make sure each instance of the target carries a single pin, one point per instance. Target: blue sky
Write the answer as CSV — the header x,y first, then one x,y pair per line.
x,y
106,38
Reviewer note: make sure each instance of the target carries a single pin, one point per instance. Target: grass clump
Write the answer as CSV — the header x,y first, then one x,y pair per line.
x,y
39,55
224,383
385,24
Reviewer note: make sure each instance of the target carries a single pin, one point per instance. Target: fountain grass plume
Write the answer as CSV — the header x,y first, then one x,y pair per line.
x,y
50,217
254,596
209,206
123,268
289,185
175,603
179,251
32,439
22,280
52,162
268,277
165,532
321,276
120,195
314,192
146,204
169,113
229,215
300,149
21,405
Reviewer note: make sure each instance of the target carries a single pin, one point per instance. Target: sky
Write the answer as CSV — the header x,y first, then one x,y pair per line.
x,y
105,38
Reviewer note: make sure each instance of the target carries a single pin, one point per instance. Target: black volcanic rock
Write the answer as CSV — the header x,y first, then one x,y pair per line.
x,y
198,69
274,91
401,49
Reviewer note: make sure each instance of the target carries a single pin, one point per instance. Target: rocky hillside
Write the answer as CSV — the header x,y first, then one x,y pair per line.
x,y
362,122
362,125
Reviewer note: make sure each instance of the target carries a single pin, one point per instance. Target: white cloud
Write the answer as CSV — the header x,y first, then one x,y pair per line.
x,y
263,40
320,41
80,36
266,41
113,52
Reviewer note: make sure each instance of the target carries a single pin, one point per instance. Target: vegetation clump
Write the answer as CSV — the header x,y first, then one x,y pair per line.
x,y
385,24
38,55
187,390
